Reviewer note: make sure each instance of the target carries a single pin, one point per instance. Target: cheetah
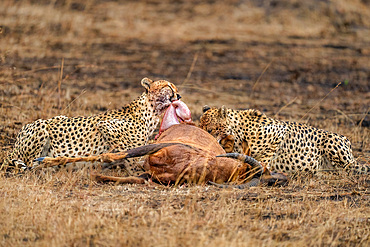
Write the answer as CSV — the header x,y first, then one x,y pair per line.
x,y
117,130
283,146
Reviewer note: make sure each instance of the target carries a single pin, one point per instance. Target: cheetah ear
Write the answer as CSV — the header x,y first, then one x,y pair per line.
x,y
223,111
145,82
206,108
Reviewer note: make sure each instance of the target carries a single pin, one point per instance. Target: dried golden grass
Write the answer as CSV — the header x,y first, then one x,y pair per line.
x,y
208,47
68,209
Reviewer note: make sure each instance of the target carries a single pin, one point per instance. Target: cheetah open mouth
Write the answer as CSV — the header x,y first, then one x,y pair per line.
x,y
176,112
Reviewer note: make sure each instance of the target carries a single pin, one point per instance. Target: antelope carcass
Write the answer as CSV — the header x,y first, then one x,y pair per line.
x,y
186,153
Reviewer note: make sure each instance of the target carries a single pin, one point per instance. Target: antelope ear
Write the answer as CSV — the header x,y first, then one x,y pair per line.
x,y
223,111
206,108
145,82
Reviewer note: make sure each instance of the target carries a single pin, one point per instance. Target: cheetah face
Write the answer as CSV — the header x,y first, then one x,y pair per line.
x,y
161,94
215,122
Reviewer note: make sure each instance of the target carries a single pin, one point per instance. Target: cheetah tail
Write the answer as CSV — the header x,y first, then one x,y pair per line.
x,y
358,169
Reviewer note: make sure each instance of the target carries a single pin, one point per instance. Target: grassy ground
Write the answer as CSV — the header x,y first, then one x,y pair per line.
x,y
284,58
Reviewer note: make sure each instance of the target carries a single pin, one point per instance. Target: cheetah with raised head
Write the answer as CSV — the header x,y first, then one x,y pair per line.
x,y
118,130
284,146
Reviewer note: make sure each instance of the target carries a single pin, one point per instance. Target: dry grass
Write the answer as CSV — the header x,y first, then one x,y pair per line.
x,y
68,209
281,57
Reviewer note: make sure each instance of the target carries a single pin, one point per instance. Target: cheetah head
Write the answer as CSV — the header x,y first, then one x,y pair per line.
x,y
216,122
160,94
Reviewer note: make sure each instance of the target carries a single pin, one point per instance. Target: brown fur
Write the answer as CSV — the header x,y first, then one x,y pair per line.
x,y
197,162
183,153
